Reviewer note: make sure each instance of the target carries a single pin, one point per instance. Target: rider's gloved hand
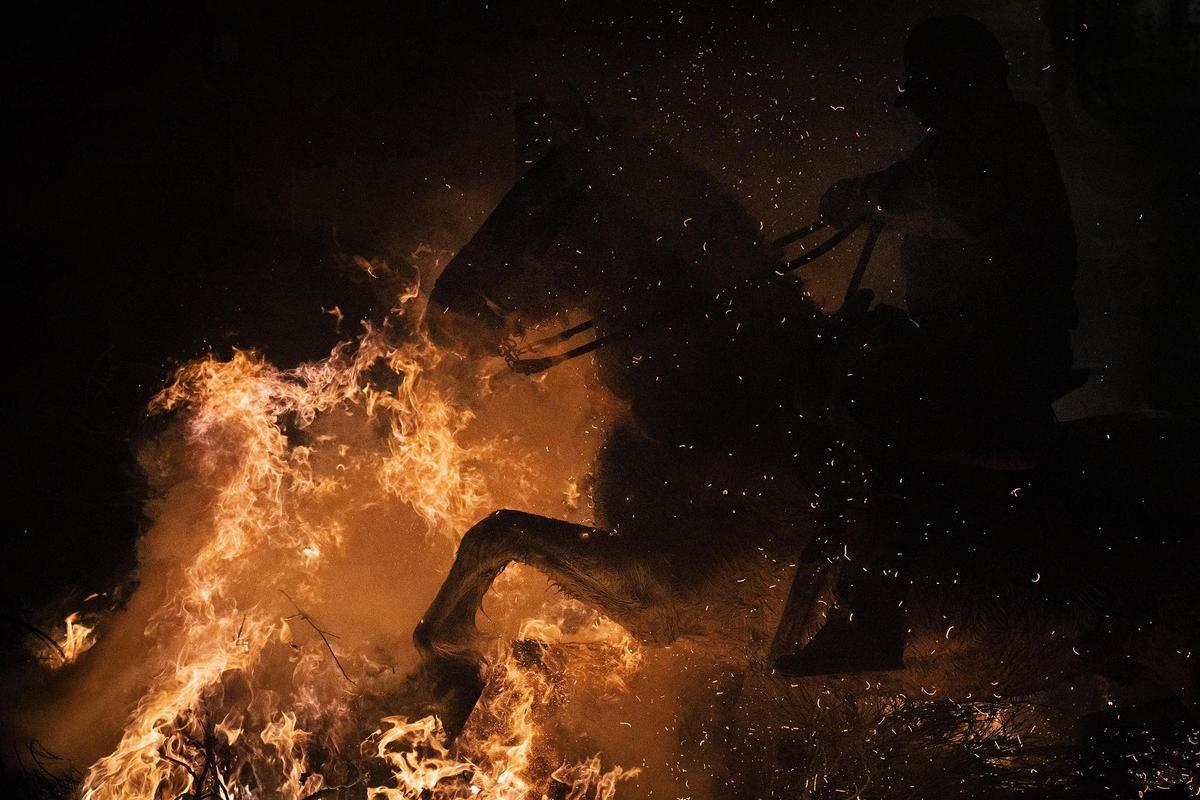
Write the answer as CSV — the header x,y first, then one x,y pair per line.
x,y
854,310
846,203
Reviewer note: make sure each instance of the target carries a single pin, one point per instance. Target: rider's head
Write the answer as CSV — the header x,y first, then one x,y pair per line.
x,y
953,65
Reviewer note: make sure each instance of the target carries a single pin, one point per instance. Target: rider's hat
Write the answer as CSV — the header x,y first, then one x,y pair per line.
x,y
948,57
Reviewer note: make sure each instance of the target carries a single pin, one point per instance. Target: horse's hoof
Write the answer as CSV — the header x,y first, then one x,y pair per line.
x,y
446,643
457,685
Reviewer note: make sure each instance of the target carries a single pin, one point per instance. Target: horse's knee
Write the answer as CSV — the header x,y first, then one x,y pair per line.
x,y
492,533
660,624
494,525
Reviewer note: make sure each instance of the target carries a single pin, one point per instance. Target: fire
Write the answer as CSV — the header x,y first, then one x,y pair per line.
x,y
507,723
75,640
250,695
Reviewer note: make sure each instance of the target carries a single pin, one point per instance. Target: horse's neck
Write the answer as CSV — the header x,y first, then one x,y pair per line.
x,y
751,368
657,240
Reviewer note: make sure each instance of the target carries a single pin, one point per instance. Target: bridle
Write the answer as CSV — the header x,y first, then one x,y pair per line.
x,y
516,355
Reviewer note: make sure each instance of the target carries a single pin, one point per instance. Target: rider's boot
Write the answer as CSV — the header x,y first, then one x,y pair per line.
x,y
864,633
804,613
864,629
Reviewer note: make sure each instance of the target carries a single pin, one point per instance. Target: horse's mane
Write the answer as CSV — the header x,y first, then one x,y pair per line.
x,y
658,216
623,228
720,363
682,208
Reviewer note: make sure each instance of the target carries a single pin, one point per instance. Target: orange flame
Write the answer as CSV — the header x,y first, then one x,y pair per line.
x,y
221,714
505,733
76,639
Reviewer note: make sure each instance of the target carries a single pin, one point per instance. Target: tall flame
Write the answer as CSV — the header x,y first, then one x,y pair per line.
x,y
505,740
222,716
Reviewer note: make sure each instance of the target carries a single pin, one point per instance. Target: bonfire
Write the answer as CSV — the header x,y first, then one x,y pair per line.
x,y
261,480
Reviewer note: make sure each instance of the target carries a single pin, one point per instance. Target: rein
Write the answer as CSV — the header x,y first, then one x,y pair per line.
x,y
534,365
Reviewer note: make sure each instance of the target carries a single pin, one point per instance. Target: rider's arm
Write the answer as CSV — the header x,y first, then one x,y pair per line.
x,y
906,197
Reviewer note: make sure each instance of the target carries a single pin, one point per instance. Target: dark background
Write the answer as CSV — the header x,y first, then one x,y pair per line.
x,y
181,178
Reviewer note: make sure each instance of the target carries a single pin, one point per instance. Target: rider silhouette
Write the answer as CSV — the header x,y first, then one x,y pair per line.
x,y
988,255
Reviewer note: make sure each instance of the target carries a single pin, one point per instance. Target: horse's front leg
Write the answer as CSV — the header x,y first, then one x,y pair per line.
x,y
588,564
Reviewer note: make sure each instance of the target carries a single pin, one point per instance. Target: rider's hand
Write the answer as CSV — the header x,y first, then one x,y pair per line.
x,y
845,203
855,309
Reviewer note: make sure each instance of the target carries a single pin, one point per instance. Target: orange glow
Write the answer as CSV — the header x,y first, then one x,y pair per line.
x,y
76,639
505,736
249,695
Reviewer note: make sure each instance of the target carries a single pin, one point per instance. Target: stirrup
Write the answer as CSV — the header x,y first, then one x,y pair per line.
x,y
843,646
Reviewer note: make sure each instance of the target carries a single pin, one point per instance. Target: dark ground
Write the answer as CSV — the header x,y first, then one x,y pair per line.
x,y
180,178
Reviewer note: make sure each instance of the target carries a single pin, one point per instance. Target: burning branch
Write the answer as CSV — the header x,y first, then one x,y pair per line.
x,y
43,636
39,780
301,614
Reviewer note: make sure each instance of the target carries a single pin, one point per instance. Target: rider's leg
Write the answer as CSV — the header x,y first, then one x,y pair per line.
x,y
864,622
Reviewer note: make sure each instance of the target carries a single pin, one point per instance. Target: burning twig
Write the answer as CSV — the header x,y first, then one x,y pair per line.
x,y
186,767
208,763
44,637
323,634
330,791
210,771
38,780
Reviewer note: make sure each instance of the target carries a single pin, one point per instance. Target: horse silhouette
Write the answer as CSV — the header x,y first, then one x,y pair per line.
x,y
1071,586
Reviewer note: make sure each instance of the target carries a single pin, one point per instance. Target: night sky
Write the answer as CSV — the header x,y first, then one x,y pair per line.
x,y
184,178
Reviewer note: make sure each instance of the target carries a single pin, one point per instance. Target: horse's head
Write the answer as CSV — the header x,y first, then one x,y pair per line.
x,y
517,270
625,230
